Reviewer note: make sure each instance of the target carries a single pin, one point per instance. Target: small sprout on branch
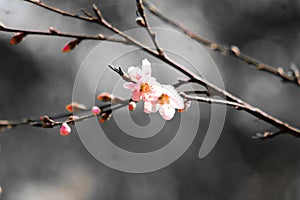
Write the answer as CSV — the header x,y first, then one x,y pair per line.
x,y
295,72
17,38
120,71
105,116
95,110
46,122
105,96
140,21
266,135
65,129
2,26
235,50
71,45
72,119
53,30
75,107
280,70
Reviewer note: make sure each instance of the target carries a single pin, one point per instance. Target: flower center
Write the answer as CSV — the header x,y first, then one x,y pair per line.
x,y
145,88
164,99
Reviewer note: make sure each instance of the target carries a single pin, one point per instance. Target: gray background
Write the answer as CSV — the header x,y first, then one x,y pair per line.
x,y
37,79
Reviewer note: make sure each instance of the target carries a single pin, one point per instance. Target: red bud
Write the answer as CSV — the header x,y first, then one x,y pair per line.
x,y
105,96
17,38
131,106
73,107
71,45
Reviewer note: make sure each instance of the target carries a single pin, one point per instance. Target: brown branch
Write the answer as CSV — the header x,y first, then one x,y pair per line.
x,y
282,126
141,11
232,51
210,100
53,32
62,12
56,120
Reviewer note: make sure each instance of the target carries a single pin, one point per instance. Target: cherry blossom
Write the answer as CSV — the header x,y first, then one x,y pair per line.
x,y
143,85
166,103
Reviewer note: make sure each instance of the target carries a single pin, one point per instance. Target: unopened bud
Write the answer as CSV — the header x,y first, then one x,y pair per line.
x,y
95,110
71,45
140,21
105,96
74,106
17,38
104,117
65,129
131,106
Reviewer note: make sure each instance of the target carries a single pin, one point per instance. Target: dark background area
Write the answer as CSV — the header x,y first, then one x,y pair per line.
x,y
36,79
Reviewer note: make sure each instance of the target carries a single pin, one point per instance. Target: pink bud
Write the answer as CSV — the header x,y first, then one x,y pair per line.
x,y
65,129
96,110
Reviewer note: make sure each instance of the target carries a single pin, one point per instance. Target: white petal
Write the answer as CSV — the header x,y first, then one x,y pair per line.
x,y
135,73
146,67
155,93
167,112
176,100
150,107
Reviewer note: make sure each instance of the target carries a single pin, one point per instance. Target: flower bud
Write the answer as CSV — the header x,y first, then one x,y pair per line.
x,y
95,110
17,38
105,96
140,21
104,117
74,106
131,106
71,45
65,129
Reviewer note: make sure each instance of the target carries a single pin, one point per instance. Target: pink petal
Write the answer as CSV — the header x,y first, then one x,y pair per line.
x,y
167,112
129,85
136,95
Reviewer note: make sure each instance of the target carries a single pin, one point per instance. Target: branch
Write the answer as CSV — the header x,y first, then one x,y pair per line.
x,y
210,100
282,126
144,23
232,51
56,120
55,33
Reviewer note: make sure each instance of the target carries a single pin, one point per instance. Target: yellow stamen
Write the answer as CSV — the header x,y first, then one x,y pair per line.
x,y
145,88
164,99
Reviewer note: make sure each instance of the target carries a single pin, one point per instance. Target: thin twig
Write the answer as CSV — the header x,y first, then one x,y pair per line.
x,y
55,33
141,11
211,100
56,120
232,51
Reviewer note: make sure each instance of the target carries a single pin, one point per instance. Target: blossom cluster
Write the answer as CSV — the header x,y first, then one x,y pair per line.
x,y
156,97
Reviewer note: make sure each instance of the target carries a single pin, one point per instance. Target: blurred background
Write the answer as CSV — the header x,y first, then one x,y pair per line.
x,y
37,79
